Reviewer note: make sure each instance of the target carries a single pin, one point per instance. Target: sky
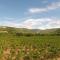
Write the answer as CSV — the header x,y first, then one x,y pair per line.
x,y
31,14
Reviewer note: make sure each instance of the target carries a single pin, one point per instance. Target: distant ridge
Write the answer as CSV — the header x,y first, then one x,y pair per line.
x,y
25,30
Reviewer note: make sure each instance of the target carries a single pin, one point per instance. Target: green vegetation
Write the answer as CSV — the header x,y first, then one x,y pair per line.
x,y
15,44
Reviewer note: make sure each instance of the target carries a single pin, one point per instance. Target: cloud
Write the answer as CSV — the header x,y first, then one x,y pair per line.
x,y
36,10
51,6
41,23
31,23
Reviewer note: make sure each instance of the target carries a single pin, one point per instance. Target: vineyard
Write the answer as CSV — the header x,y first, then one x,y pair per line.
x,y
15,47
29,48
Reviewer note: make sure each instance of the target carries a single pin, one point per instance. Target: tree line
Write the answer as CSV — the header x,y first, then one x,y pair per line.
x,y
36,34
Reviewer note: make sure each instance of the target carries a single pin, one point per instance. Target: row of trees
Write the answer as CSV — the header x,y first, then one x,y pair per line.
x,y
36,34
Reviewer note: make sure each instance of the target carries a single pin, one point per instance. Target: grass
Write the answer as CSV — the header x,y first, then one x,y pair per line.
x,y
29,48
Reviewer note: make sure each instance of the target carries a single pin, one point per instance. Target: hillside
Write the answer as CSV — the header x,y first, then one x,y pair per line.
x,y
24,30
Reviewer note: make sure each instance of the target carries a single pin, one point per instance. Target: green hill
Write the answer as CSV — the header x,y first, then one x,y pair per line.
x,y
24,30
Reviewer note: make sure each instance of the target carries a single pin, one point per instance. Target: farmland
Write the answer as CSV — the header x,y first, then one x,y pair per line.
x,y
21,47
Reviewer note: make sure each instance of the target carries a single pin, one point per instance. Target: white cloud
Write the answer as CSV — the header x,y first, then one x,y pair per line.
x,y
51,6
36,10
40,23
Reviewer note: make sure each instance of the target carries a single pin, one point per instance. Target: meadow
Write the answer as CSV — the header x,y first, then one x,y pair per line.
x,y
14,47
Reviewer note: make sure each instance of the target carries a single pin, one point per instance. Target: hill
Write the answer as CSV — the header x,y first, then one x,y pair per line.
x,y
25,30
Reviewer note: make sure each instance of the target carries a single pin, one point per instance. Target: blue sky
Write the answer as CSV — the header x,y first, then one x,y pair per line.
x,y
32,14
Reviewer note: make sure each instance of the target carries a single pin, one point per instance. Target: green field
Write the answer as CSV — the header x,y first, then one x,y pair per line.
x,y
25,44
29,47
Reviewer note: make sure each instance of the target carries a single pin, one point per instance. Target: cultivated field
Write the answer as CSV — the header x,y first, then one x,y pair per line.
x,y
29,47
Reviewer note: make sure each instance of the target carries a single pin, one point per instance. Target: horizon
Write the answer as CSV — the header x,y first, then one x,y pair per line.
x,y
27,28
33,14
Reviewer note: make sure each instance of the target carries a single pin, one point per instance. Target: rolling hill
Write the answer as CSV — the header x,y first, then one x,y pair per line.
x,y
5,29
